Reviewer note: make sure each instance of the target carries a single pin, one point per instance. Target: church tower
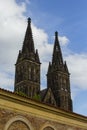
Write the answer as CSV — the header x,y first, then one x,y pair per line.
x,y
27,68
58,78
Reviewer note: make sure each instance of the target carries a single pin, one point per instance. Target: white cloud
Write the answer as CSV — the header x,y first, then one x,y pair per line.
x,y
44,49
12,30
12,26
63,40
78,69
41,42
6,80
10,9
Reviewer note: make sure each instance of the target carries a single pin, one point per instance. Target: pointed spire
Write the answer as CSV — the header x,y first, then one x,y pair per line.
x,y
65,67
28,44
49,67
19,56
37,56
57,55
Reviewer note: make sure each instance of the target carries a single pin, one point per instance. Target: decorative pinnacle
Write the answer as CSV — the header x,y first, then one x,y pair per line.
x,y
29,20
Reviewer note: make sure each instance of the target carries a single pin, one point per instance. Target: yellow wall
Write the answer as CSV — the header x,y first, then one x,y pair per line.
x,y
18,107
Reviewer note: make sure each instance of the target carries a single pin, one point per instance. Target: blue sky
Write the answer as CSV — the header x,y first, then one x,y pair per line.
x,y
68,18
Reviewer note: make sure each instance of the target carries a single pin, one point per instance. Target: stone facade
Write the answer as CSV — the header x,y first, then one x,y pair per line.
x,y
27,74
20,113
11,120
27,67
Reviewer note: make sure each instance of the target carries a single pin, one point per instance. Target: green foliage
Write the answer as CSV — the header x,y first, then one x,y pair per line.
x,y
37,97
21,93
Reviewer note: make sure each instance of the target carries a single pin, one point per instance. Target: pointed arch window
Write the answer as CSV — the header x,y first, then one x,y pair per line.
x,y
34,74
37,76
30,73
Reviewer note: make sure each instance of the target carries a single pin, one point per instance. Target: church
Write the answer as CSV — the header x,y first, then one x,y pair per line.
x,y
29,107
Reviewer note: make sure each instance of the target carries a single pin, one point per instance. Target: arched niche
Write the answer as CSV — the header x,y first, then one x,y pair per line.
x,y
48,128
17,122
18,125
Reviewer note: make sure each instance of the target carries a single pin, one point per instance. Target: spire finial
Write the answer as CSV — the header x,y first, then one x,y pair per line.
x,y
56,34
29,20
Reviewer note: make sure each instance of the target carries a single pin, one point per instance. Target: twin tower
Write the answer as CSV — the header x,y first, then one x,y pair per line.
x,y
27,74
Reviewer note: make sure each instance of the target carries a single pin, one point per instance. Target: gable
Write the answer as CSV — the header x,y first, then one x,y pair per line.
x,y
49,97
